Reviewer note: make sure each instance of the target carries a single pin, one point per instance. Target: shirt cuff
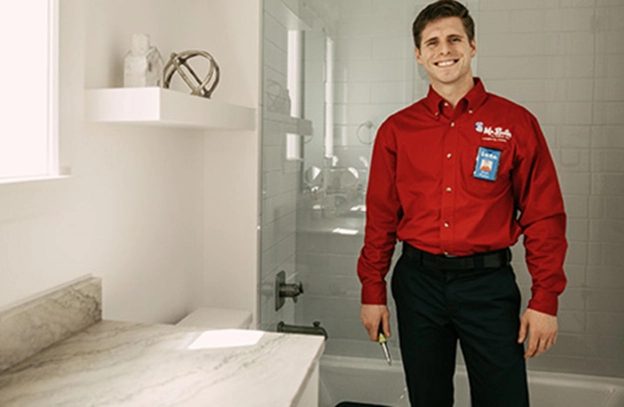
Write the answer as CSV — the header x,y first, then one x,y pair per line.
x,y
544,301
374,294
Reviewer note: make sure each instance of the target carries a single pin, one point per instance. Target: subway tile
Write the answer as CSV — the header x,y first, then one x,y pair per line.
x,y
575,183
571,322
354,7
605,300
609,89
575,274
577,3
609,66
577,253
604,323
386,24
608,184
275,32
572,344
613,208
607,136
392,47
573,160
595,254
492,22
578,230
352,92
517,5
354,155
607,43
357,24
608,161
597,207
613,255
576,207
337,307
607,347
568,364
573,136
573,297
354,48
331,285
314,71
615,17
388,92
552,20
538,44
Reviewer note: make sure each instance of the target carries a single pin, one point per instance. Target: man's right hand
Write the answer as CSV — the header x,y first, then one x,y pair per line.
x,y
372,316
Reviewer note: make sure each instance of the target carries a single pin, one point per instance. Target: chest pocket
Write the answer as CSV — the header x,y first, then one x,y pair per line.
x,y
485,169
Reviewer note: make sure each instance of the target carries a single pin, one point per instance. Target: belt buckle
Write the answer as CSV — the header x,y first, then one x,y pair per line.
x,y
449,256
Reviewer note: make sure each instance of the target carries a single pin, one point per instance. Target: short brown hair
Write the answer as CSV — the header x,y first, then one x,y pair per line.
x,y
442,9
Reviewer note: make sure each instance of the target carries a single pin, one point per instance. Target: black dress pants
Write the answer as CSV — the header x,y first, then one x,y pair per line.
x,y
479,307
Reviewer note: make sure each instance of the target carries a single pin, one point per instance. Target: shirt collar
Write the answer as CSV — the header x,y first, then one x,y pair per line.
x,y
473,99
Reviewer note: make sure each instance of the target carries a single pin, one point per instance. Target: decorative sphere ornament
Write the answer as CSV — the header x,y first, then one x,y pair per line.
x,y
179,63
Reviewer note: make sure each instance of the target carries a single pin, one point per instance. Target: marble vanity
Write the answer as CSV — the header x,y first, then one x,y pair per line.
x,y
110,363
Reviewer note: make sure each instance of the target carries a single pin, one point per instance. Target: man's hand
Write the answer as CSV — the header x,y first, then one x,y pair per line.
x,y
374,315
541,329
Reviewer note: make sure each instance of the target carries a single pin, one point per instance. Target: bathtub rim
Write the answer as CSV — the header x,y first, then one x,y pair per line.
x,y
614,384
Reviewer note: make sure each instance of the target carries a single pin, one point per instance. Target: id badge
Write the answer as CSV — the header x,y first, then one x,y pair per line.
x,y
487,164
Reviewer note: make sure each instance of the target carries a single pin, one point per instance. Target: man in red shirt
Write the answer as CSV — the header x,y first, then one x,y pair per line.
x,y
458,177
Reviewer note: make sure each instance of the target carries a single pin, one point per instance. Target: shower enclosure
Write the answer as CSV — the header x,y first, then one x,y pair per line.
x,y
334,70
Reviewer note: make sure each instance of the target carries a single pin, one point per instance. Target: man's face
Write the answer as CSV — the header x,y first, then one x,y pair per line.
x,y
445,52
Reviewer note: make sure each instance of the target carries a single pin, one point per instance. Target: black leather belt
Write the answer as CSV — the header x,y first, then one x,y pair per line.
x,y
495,259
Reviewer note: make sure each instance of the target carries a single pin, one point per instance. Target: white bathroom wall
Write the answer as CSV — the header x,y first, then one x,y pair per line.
x,y
148,209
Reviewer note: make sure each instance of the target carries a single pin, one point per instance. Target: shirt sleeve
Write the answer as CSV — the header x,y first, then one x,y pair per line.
x,y
382,217
542,217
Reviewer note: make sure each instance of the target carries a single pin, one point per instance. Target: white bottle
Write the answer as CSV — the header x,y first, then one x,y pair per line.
x,y
143,65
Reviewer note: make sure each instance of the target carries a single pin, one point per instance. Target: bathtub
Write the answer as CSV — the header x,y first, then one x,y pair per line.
x,y
365,380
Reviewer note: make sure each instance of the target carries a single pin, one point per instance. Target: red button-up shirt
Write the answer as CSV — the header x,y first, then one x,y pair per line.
x,y
422,190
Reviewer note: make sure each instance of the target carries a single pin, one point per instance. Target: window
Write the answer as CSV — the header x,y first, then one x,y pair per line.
x,y
28,95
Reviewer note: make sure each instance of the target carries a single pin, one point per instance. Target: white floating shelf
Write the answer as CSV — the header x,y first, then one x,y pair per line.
x,y
165,107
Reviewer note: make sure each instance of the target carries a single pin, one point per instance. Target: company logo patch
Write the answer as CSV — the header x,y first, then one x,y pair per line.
x,y
493,133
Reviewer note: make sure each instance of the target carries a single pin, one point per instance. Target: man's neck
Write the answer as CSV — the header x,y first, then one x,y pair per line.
x,y
454,92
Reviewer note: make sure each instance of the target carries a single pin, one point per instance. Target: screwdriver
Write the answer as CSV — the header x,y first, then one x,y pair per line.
x,y
384,346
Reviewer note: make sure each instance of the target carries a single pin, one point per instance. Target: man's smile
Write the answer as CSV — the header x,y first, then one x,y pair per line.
x,y
443,64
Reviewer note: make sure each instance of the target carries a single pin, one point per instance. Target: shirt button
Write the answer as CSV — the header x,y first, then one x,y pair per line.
x,y
446,253
445,104
452,124
448,189
449,155
470,111
446,224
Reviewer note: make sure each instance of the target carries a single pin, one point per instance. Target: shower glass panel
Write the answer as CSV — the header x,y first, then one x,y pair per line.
x,y
560,59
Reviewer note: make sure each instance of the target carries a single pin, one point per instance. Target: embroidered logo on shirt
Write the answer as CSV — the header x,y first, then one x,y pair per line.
x,y
493,133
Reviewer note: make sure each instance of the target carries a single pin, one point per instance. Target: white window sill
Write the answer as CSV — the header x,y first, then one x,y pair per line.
x,y
10,181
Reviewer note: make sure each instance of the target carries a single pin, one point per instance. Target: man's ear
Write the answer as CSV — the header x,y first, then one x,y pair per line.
x,y
418,57
473,46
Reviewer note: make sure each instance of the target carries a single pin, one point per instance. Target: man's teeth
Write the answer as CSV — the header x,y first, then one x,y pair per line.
x,y
446,63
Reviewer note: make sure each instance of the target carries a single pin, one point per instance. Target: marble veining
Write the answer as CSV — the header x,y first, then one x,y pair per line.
x,y
38,323
126,364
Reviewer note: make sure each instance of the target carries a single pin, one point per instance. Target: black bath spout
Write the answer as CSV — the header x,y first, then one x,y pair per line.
x,y
315,329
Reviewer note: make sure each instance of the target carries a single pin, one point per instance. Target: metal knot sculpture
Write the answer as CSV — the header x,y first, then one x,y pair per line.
x,y
178,62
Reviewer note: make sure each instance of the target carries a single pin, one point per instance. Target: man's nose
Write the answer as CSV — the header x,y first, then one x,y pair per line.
x,y
445,48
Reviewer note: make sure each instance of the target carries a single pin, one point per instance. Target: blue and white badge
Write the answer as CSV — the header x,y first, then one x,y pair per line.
x,y
487,164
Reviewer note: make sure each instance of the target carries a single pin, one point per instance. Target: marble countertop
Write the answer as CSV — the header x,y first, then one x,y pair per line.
x,y
127,364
